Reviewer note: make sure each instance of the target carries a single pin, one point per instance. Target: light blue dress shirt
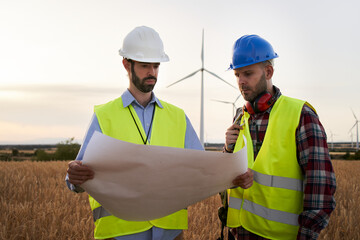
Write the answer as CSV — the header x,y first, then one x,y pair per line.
x,y
145,115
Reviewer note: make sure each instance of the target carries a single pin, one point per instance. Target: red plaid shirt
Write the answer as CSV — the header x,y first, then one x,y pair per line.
x,y
314,160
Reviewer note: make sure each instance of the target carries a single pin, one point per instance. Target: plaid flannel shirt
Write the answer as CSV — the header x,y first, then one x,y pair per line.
x,y
314,161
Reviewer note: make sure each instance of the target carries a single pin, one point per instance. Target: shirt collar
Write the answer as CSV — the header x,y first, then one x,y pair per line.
x,y
128,98
277,94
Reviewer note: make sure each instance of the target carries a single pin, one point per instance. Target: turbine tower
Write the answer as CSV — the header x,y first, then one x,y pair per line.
x,y
352,139
202,69
357,130
332,139
232,103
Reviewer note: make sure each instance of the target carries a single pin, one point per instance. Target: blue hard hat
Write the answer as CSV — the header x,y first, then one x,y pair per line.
x,y
251,49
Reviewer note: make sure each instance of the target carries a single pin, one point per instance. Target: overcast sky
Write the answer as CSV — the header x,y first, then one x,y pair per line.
x,y
60,58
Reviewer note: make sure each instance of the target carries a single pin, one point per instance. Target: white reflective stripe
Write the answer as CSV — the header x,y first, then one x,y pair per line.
x,y
235,203
100,212
271,214
278,182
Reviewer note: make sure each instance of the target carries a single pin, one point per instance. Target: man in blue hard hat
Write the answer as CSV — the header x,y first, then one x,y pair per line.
x,y
292,195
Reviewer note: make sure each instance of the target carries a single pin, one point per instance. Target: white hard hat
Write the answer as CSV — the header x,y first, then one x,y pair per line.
x,y
143,44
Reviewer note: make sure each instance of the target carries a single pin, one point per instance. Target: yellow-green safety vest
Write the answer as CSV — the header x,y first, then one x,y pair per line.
x,y
271,206
168,129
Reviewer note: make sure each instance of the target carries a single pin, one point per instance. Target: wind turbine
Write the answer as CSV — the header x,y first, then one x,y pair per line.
x,y
232,103
352,139
202,69
357,130
332,140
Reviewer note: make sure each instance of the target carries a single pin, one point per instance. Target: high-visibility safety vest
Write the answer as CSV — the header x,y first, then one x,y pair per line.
x,y
271,206
168,129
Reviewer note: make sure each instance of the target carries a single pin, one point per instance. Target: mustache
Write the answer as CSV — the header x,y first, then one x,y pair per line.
x,y
244,88
148,78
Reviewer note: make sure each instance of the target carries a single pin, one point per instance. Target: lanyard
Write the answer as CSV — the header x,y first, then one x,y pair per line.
x,y
152,118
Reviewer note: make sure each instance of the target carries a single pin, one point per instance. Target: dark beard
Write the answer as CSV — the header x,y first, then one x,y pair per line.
x,y
139,83
260,88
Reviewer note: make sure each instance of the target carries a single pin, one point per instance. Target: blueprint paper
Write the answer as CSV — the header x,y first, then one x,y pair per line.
x,y
138,182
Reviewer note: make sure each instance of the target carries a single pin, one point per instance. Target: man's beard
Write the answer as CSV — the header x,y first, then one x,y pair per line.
x,y
260,87
140,83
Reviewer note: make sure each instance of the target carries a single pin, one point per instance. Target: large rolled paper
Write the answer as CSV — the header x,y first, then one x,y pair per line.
x,y
142,182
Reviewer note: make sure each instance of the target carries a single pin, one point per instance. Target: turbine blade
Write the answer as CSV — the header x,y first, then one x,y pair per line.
x,y
202,49
190,75
353,126
237,98
221,101
354,115
220,78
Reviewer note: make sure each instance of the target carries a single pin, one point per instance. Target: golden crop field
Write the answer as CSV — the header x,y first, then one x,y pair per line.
x,y
36,204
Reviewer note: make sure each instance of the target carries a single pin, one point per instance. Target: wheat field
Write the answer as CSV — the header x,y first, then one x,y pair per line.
x,y
36,204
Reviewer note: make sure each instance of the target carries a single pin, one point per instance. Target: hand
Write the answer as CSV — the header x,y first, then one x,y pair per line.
x,y
79,173
231,135
244,180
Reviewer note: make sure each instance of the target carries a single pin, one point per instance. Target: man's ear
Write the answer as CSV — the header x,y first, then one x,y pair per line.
x,y
127,64
269,71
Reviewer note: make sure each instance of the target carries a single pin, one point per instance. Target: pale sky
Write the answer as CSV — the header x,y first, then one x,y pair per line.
x,y
60,58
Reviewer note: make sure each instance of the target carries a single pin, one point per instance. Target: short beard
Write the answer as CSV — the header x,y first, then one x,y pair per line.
x,y
139,83
260,87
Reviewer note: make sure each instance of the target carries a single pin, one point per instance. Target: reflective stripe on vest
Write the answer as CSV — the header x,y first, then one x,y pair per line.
x,y
269,214
270,208
168,129
278,182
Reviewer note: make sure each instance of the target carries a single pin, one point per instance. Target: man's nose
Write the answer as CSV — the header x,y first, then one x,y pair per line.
x,y
152,71
241,80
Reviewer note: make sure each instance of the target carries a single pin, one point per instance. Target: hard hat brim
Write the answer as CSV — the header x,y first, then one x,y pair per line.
x,y
251,63
164,58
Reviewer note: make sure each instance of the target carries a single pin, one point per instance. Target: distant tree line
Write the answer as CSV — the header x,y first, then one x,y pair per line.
x,y
66,150
349,156
15,155
26,146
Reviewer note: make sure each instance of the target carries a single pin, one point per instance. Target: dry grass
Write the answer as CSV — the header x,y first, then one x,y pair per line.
x,y
36,204
344,221
203,220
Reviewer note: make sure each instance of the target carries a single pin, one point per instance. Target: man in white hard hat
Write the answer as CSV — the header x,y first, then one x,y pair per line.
x,y
138,116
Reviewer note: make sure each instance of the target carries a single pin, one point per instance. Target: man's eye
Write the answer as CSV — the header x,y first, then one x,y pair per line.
x,y
247,73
